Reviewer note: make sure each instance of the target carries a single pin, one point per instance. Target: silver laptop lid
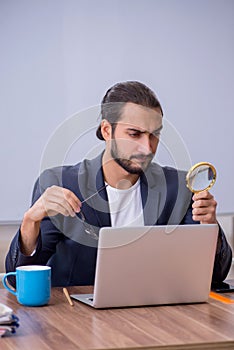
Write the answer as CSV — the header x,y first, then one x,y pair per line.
x,y
154,265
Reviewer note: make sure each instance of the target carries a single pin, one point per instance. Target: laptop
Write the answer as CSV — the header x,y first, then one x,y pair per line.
x,y
153,265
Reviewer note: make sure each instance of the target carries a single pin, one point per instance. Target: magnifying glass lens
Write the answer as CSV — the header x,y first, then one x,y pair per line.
x,y
201,177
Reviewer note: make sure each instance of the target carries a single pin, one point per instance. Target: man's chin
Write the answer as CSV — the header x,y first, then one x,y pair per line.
x,y
131,167
140,166
135,171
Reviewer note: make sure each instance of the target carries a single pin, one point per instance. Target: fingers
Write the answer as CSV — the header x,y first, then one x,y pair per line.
x,y
57,200
202,195
204,208
72,200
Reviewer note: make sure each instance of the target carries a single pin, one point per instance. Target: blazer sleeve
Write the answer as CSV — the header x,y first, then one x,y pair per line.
x,y
49,237
223,256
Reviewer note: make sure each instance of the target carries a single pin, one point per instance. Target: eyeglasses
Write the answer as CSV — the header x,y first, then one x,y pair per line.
x,y
88,227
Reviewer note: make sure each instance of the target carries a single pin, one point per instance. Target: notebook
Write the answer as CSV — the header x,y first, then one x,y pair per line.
x,y
153,265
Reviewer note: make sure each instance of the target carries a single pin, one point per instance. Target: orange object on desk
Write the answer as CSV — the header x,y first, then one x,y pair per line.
x,y
219,297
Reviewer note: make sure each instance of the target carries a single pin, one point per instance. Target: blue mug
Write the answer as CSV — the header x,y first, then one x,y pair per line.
x,y
33,284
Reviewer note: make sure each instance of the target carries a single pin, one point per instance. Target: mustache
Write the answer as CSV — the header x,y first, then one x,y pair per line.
x,y
142,157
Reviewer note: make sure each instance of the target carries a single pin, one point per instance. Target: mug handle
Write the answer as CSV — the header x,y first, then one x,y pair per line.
x,y
4,282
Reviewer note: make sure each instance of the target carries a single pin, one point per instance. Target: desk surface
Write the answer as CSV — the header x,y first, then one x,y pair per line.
x,y
60,326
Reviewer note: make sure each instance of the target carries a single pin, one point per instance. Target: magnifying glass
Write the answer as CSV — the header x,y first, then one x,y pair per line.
x,y
201,177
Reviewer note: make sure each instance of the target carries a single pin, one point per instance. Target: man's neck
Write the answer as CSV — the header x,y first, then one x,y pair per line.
x,y
115,175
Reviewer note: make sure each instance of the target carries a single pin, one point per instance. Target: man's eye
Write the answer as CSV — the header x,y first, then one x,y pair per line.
x,y
134,134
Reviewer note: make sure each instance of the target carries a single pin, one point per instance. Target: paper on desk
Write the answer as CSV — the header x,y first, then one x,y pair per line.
x,y
8,321
5,311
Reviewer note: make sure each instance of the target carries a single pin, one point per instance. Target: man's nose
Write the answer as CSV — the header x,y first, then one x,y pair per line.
x,y
144,145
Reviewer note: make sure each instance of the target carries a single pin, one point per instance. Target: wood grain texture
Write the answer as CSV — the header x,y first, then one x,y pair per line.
x,y
58,326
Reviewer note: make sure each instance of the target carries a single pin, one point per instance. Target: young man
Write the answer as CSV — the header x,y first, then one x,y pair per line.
x,y
124,187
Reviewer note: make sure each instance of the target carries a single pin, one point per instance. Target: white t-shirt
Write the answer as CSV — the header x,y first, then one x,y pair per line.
x,y
125,206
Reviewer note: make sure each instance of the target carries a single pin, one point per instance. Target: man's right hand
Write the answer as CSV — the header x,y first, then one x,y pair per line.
x,y
55,200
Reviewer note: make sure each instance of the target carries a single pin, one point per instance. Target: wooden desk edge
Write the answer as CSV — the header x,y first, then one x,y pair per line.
x,y
201,346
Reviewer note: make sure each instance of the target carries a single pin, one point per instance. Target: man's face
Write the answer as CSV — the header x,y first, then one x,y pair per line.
x,y
136,137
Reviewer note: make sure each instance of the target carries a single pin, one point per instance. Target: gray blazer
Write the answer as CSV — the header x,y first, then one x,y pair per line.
x,y
65,246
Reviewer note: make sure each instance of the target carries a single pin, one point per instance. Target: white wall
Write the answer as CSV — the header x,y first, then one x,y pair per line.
x,y
59,57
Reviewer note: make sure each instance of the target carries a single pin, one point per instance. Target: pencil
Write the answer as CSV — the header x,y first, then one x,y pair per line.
x,y
67,296
221,298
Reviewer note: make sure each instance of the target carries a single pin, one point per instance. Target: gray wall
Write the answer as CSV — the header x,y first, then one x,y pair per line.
x,y
58,57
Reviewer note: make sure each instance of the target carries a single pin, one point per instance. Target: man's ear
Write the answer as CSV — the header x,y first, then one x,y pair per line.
x,y
106,130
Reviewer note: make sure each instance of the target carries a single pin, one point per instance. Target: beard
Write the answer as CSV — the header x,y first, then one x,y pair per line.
x,y
130,164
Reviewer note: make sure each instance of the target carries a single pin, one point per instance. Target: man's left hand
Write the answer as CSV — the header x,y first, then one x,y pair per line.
x,y
204,208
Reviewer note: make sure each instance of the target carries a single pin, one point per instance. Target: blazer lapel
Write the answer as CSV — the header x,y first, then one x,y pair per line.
x,y
153,193
99,202
101,208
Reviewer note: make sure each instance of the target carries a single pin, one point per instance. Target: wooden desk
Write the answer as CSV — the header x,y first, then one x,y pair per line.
x,y
61,326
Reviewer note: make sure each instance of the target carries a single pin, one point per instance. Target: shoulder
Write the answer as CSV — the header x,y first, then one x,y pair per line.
x,y
56,175
170,179
69,176
169,173
63,176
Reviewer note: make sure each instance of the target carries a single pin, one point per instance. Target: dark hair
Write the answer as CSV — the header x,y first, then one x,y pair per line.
x,y
121,93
